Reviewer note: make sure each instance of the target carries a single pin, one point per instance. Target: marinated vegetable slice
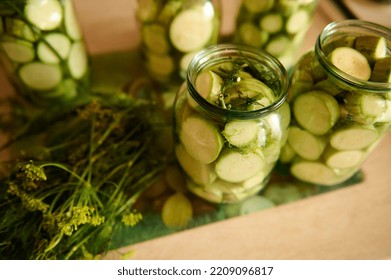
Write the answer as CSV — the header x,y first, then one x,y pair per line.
x,y
372,47
60,46
251,35
382,71
154,38
78,61
201,139
46,15
365,108
19,51
236,167
254,204
271,23
305,144
316,111
40,76
209,85
257,6
177,211
70,20
297,21
241,133
351,62
191,30
353,137
343,159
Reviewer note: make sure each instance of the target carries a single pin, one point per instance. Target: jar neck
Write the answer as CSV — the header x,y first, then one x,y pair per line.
x,y
221,53
336,30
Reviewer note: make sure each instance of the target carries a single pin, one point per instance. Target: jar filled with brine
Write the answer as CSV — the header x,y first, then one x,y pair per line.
x,y
277,26
42,50
340,97
230,121
172,32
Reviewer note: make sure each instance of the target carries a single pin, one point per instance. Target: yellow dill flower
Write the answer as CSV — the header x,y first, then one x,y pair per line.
x,y
132,219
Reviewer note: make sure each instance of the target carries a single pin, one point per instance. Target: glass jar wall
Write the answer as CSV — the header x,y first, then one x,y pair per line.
x,y
231,120
173,31
42,50
277,26
340,97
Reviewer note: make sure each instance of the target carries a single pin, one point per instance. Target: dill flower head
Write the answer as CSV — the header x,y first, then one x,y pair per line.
x,y
33,172
132,219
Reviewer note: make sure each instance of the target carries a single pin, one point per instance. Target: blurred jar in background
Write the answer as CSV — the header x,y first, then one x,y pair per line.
x,y
172,32
42,50
277,26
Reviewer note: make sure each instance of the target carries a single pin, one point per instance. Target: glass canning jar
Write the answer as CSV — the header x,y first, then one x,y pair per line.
x,y
340,95
172,32
277,26
230,121
42,50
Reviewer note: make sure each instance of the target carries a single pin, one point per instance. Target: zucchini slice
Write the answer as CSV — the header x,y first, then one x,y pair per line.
x,y
251,35
59,43
297,22
258,6
209,85
343,159
305,144
78,60
372,47
201,139
353,137
40,76
278,45
19,51
154,38
71,25
241,133
191,30
382,70
271,23
46,15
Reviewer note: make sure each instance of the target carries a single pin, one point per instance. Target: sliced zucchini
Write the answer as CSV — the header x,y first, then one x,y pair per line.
x,y
185,62
46,15
209,85
352,62
343,159
345,41
162,66
382,70
251,35
236,167
305,144
201,139
255,181
298,21
255,204
200,173
191,30
365,108
302,82
40,76
78,60
60,46
353,137
258,6
241,133
154,38
71,25
287,153
316,111
19,51
271,23
372,47
278,45
146,10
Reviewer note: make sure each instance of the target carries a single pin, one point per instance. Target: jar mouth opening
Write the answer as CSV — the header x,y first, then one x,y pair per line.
x,y
352,27
229,52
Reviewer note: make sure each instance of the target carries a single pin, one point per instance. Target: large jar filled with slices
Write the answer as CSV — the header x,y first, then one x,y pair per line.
x,y
340,98
42,50
277,26
172,31
231,121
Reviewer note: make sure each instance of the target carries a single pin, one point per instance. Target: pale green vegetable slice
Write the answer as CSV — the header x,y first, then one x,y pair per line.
x,y
60,47
177,211
191,30
160,65
254,204
201,139
297,22
241,133
382,70
78,60
154,38
185,62
343,159
236,167
271,23
352,62
44,14
19,51
200,173
282,192
345,41
372,47
305,144
353,137
40,76
251,35
208,85
287,153
365,108
146,10
316,111
278,45
70,20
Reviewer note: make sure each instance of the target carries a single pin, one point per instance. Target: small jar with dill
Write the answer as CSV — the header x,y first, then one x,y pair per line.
x,y
230,121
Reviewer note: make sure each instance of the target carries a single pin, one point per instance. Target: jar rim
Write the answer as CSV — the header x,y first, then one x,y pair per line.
x,y
368,28
201,60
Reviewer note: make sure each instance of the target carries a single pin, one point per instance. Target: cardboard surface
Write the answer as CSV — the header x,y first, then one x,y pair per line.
x,y
350,223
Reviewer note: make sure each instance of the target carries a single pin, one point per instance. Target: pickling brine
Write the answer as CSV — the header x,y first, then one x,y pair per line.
x,y
340,97
277,26
231,121
172,32
42,50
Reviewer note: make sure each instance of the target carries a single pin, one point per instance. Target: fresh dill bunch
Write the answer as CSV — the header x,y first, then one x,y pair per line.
x,y
67,202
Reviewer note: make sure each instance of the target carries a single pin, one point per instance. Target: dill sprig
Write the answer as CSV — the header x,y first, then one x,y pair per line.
x,y
76,180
